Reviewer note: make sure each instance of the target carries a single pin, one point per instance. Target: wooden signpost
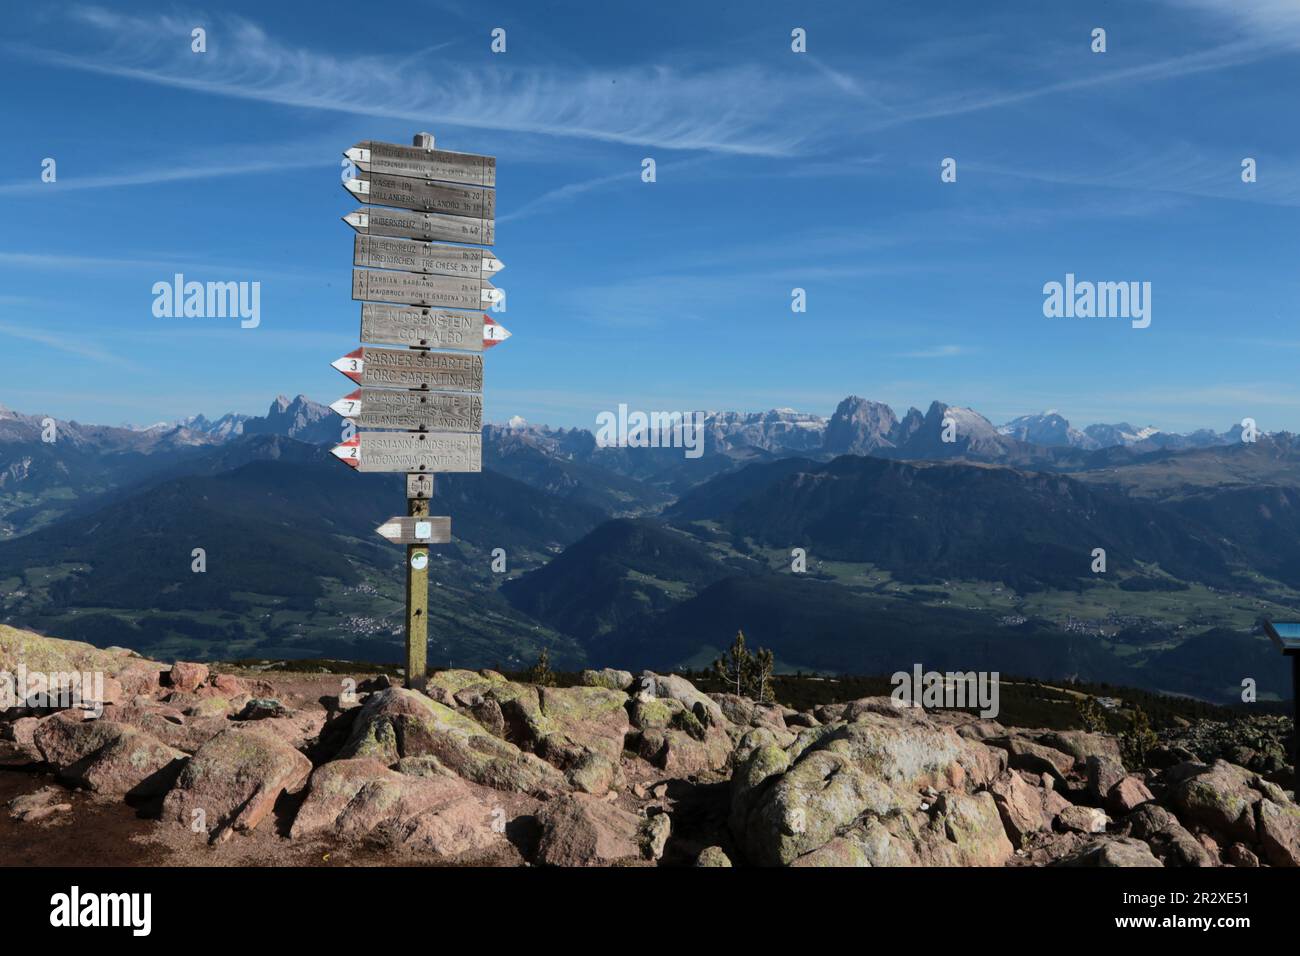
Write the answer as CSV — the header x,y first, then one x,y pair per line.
x,y
422,195
440,329
412,368
411,288
427,226
417,411
412,291
425,257
440,164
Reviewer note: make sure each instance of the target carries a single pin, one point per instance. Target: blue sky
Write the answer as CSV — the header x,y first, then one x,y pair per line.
x,y
775,170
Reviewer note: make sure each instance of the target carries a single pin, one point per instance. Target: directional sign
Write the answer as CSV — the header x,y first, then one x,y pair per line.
x,y
411,288
375,157
407,192
429,328
413,451
462,261
431,411
429,226
412,368
427,529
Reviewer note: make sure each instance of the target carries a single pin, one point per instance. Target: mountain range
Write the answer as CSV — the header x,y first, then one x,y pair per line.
x,y
936,534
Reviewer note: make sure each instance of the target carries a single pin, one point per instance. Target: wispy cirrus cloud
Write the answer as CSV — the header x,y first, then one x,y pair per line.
x,y
732,109
1183,170
165,267
938,351
181,170
69,343
1276,21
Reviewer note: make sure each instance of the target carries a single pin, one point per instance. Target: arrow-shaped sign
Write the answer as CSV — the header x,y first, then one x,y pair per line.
x,y
413,451
411,288
428,226
429,328
463,261
412,368
425,530
406,192
431,411
470,168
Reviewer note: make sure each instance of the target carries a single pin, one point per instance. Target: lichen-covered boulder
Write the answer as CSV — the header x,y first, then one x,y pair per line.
x,y
596,774
673,687
581,830
682,754
1219,798
232,782
1026,754
1081,744
847,775
1168,839
1019,804
960,829
713,856
397,723
1082,820
1127,795
1102,774
99,676
1279,832
187,677
106,757
609,678
1112,852
168,724
356,798
594,718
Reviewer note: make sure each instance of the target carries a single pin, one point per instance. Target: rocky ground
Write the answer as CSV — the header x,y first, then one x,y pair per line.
x,y
189,766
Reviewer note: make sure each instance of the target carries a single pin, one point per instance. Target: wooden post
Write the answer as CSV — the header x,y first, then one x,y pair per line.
x,y
419,488
417,599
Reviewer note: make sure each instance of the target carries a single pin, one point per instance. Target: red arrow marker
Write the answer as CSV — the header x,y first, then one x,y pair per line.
x,y
351,364
349,452
349,406
493,332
